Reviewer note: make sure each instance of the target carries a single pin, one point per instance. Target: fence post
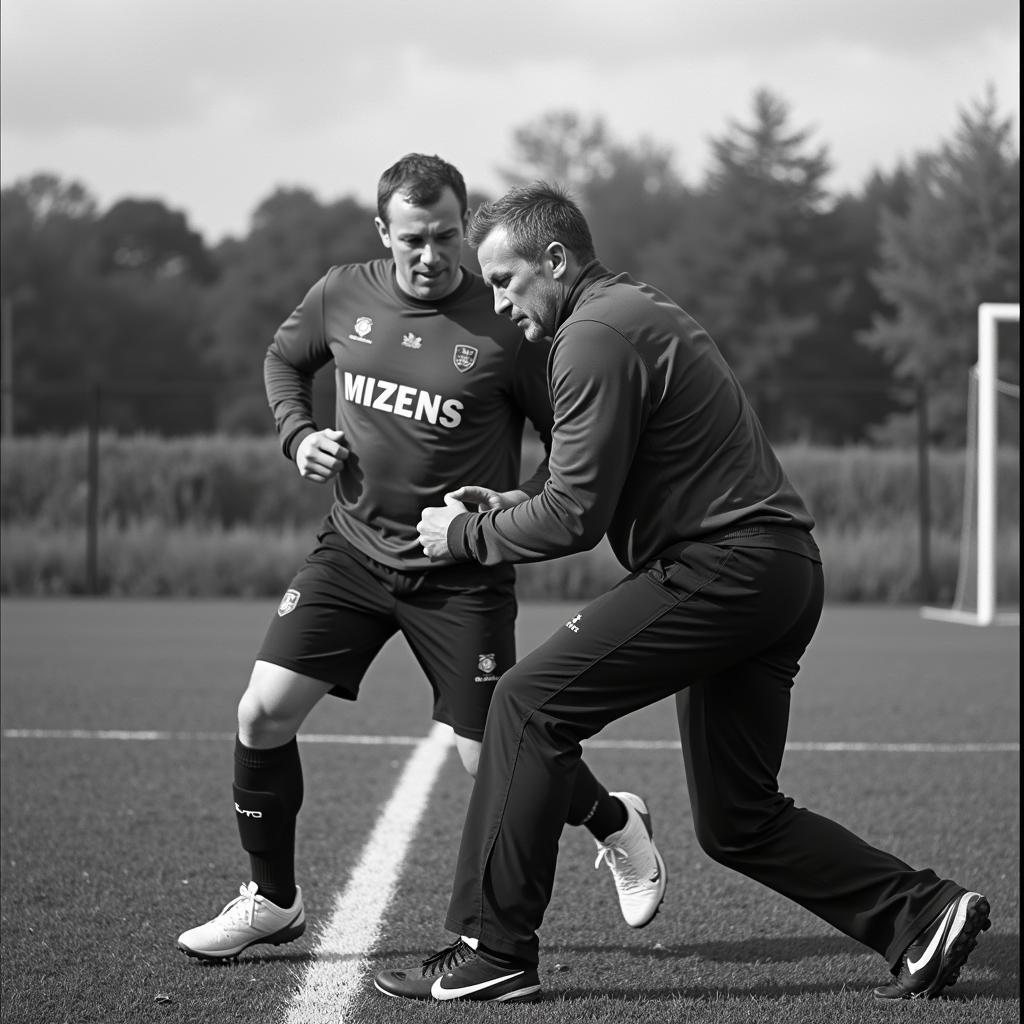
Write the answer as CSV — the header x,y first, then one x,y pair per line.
x,y
7,366
924,498
92,524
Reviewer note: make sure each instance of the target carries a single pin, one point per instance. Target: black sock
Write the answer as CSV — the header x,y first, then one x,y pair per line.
x,y
593,806
268,795
609,815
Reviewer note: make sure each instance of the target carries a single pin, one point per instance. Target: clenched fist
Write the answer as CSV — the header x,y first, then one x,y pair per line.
x,y
321,455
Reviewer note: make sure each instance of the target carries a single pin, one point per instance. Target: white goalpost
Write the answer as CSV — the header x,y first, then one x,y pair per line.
x,y
982,481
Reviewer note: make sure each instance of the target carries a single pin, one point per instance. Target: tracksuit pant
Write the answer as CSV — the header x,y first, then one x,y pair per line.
x,y
723,628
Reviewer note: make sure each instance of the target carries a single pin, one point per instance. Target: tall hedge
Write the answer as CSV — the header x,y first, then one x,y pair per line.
x,y
230,515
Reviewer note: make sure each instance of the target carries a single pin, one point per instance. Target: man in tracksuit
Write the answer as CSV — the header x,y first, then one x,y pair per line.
x,y
654,444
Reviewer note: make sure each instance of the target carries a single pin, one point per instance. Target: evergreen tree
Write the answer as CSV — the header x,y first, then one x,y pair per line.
x,y
840,389
956,245
748,262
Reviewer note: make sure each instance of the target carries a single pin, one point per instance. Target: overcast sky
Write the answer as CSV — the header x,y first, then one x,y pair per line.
x,y
209,105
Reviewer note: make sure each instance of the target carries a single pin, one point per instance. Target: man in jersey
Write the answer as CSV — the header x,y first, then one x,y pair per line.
x,y
430,386
654,444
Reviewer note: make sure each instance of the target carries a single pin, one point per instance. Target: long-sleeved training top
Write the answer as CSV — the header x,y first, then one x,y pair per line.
x,y
429,395
654,442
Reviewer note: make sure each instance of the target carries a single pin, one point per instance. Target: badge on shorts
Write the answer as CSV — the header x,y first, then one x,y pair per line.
x,y
288,602
487,669
464,357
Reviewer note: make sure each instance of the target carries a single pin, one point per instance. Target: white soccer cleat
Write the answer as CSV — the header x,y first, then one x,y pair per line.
x,y
247,920
635,863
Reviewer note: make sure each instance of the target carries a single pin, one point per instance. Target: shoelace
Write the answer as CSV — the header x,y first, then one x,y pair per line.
x,y
243,904
451,956
617,859
624,871
609,854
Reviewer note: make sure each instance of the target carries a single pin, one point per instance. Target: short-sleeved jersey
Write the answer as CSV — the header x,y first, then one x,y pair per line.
x,y
430,395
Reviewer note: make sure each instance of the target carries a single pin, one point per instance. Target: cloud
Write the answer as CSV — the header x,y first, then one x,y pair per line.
x,y
141,65
210,104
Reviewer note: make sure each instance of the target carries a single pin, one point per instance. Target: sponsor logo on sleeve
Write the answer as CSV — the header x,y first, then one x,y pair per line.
x,y
288,602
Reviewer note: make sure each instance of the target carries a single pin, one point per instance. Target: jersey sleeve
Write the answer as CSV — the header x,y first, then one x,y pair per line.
x,y
531,394
600,394
298,350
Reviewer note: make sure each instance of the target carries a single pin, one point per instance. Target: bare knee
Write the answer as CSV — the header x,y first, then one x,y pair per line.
x,y
275,704
256,724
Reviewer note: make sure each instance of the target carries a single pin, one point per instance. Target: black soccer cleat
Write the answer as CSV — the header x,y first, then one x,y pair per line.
x,y
459,972
933,960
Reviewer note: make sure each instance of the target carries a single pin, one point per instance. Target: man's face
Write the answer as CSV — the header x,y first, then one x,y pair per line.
x,y
426,242
527,293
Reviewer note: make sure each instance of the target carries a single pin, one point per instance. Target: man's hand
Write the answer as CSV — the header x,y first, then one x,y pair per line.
x,y
433,526
488,500
321,455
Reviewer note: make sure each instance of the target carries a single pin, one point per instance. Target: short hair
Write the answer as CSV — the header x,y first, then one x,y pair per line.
x,y
421,179
533,217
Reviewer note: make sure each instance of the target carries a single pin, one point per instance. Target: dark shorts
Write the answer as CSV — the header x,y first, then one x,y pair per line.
x,y
342,607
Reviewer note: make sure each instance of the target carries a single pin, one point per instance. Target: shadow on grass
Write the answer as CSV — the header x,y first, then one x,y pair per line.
x,y
997,957
249,957
713,993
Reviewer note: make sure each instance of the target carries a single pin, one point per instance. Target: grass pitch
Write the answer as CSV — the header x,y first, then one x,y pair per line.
x,y
112,846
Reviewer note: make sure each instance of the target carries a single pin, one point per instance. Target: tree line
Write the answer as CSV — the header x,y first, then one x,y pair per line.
x,y
838,312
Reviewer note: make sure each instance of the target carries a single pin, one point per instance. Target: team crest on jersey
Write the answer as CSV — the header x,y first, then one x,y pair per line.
x,y
410,340
288,602
362,327
464,357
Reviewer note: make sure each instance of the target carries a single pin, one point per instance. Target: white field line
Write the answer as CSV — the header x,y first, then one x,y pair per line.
x,y
220,737
829,746
825,746
335,977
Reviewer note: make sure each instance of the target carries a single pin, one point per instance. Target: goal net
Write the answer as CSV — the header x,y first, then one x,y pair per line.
x,y
988,576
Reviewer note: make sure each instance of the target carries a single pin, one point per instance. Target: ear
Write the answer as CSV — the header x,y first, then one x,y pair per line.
x,y
382,230
557,258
